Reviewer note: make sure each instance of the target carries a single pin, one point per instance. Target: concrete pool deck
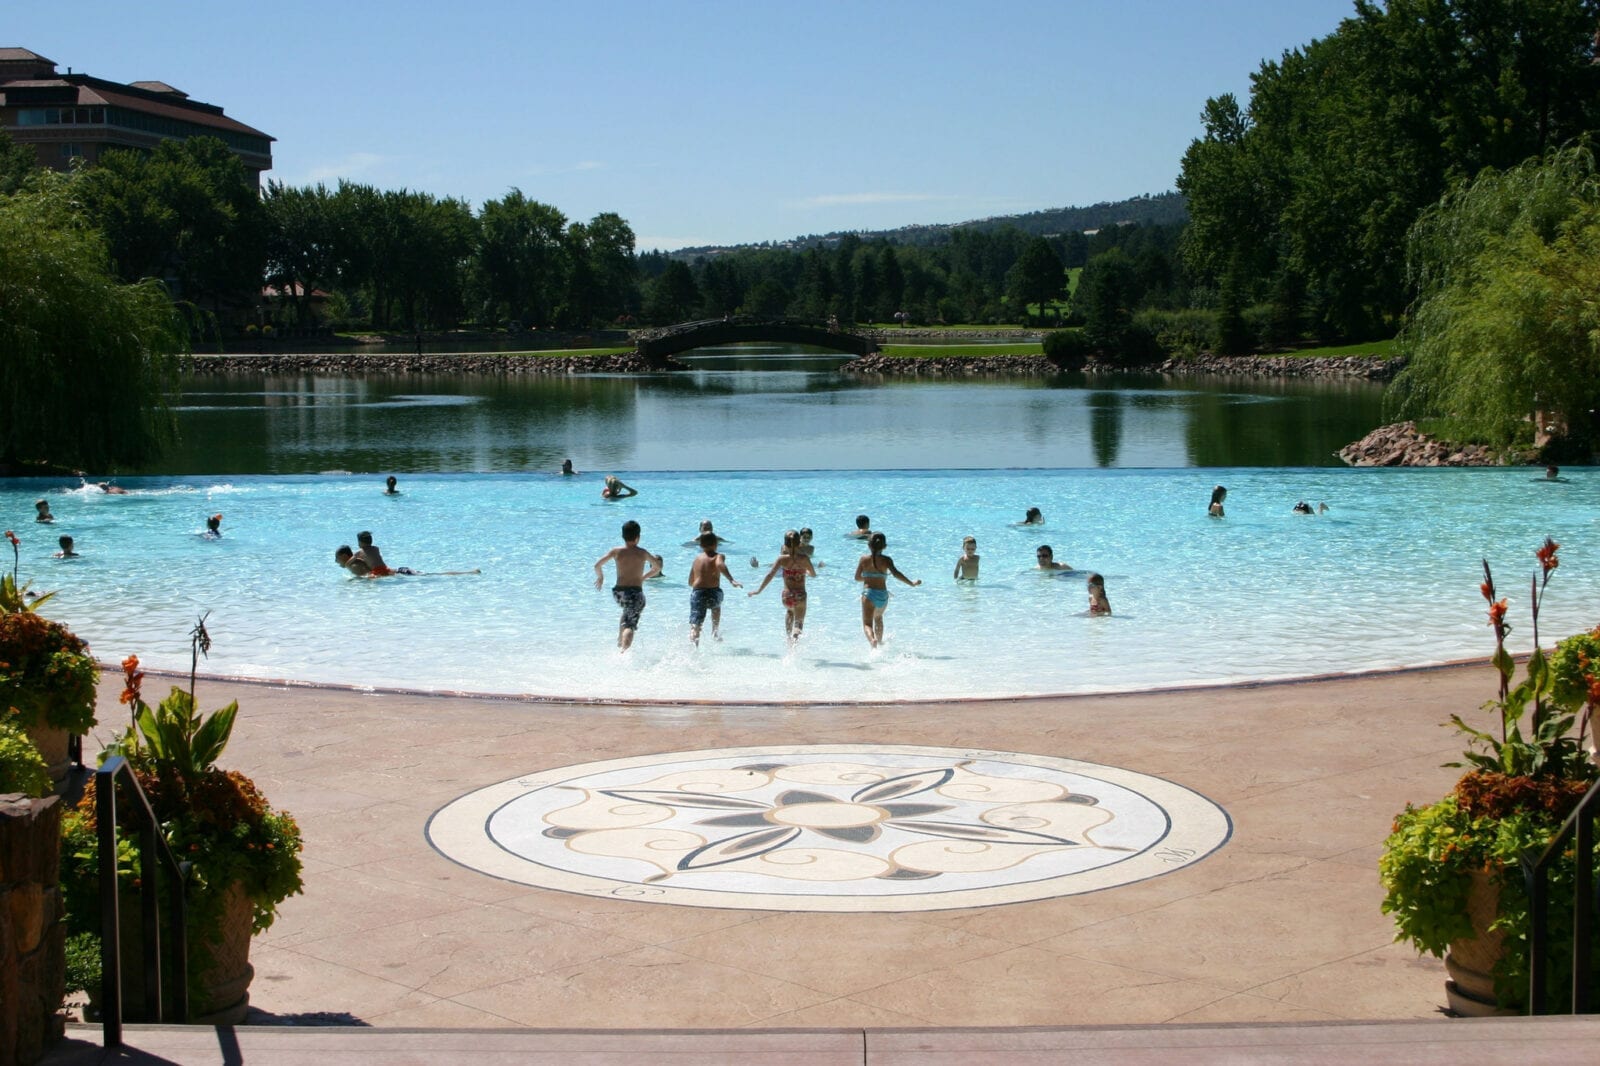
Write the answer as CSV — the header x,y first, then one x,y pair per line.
x,y
1281,924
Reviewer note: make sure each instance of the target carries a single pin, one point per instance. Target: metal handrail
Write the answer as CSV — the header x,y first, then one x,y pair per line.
x,y
1579,826
154,855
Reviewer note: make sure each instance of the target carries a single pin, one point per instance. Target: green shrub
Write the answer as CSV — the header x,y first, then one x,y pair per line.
x,y
22,768
1570,687
1180,334
1067,348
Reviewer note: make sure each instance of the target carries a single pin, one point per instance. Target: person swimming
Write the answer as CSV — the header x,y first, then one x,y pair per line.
x,y
359,567
42,509
1303,508
389,486
213,528
1098,604
616,490
1034,517
1218,494
1045,559
705,527
66,551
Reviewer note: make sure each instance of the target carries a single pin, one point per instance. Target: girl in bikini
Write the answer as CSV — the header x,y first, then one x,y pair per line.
x,y
795,566
873,572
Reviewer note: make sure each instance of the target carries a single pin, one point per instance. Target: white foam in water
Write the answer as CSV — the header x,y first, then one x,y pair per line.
x,y
1388,577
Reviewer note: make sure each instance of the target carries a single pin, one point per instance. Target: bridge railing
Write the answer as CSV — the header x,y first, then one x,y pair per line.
x,y
679,328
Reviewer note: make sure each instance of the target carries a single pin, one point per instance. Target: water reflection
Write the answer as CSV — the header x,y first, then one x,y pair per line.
x,y
1105,426
757,412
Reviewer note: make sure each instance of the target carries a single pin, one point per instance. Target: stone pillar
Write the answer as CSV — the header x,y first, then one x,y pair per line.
x,y
33,933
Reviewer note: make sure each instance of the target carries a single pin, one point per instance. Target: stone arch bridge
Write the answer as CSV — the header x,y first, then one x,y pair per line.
x,y
657,346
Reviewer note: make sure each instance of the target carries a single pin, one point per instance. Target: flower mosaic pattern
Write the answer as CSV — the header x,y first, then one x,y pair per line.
x,y
940,819
839,828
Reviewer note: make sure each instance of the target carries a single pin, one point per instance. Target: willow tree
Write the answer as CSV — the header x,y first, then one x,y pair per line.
x,y
1505,329
88,361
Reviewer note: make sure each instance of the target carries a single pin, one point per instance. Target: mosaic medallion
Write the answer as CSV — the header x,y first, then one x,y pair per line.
x,y
831,828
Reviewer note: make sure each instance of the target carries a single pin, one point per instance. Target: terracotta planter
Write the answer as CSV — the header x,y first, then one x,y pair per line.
x,y
219,991
1470,961
52,744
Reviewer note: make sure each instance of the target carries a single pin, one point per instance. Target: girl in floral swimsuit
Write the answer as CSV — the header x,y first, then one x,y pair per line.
x,y
795,566
873,572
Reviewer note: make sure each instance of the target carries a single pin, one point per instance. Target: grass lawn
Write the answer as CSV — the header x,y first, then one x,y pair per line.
x,y
947,351
1384,348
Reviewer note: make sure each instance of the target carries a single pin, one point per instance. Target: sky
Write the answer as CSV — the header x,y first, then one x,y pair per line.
x,y
705,123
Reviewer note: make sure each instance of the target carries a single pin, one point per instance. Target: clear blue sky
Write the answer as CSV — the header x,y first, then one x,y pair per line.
x,y
705,123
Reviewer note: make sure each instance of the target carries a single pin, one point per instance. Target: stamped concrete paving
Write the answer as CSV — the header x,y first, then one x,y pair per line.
x,y
1281,924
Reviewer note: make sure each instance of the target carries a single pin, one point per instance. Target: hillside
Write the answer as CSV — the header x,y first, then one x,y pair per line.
x,y
1161,209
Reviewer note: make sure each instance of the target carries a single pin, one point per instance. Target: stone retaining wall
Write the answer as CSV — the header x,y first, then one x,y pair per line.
x,y
955,365
33,933
351,363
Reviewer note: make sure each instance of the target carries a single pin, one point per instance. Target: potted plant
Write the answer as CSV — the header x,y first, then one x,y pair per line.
x,y
1452,870
47,676
245,855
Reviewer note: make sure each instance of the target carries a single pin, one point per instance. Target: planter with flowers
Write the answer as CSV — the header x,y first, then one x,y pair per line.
x,y
1452,870
245,855
47,676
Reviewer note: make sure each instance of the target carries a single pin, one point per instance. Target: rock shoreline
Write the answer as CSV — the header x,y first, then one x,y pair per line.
x,y
1370,367
917,366
1403,444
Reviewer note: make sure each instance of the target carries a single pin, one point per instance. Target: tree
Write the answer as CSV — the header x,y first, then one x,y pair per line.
x,y
301,244
17,163
521,260
1505,333
1037,277
90,361
187,213
673,296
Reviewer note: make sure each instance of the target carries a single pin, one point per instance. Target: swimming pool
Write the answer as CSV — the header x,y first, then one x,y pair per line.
x,y
1388,577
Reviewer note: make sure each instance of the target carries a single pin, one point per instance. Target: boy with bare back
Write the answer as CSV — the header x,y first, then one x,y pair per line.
x,y
635,566
705,588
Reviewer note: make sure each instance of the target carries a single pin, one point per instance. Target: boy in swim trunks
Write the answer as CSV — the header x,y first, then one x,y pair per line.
x,y
967,565
368,553
705,587
635,566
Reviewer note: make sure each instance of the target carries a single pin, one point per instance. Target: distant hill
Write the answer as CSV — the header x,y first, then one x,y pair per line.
x,y
1161,209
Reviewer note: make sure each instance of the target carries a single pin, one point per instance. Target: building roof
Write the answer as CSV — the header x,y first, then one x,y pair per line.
x,y
22,55
100,92
158,87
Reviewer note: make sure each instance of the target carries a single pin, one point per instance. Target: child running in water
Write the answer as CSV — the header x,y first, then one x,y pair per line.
x,y
705,587
795,566
873,572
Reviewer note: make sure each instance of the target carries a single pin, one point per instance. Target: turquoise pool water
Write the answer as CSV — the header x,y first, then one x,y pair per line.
x,y
1388,577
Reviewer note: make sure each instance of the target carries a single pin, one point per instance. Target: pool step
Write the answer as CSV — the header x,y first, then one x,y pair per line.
x,y
1456,1042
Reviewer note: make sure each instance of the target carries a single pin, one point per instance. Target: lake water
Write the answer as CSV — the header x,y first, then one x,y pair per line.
x,y
756,409
1121,470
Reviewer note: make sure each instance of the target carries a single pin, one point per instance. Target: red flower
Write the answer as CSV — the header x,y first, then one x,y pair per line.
x,y
1547,555
1497,613
12,537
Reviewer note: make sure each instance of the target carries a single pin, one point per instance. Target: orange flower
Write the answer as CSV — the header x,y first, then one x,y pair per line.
x,y
1497,613
1487,590
12,537
1547,555
135,678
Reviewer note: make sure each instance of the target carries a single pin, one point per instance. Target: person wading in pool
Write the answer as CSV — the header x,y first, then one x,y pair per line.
x,y
795,566
635,566
873,571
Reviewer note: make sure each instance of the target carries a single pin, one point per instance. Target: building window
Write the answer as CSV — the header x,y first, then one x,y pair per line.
x,y
71,151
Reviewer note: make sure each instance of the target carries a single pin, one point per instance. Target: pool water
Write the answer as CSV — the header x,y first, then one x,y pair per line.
x,y
1388,577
